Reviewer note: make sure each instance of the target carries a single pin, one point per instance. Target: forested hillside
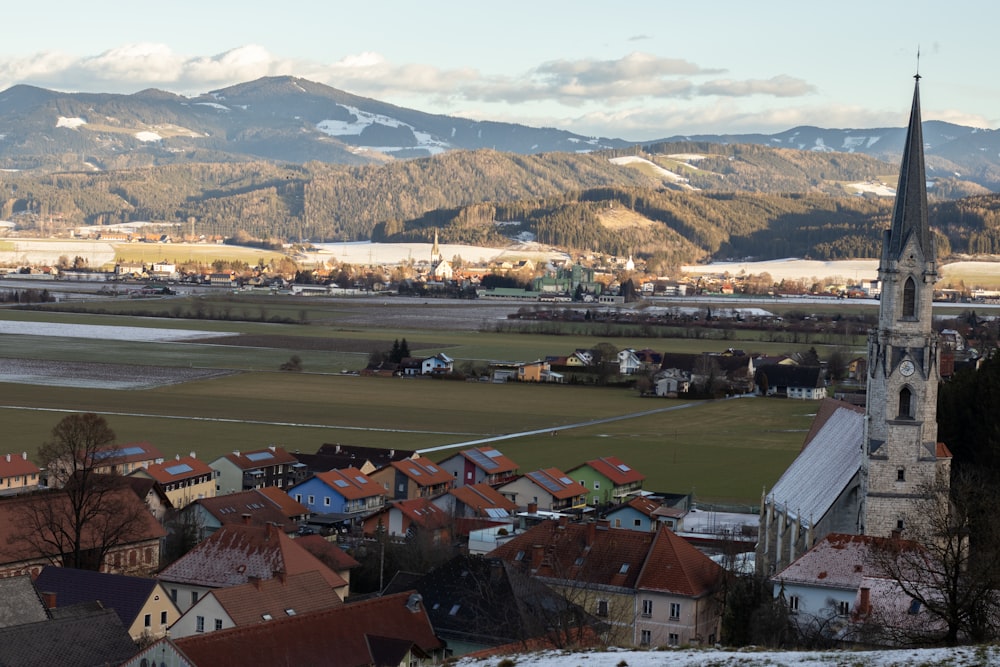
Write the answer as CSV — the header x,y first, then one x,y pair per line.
x,y
752,201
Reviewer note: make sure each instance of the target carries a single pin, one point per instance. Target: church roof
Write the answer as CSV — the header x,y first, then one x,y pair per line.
x,y
831,457
909,216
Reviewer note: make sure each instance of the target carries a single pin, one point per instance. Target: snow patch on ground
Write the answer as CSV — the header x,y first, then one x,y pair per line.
x,y
880,189
214,105
147,136
103,332
364,119
397,253
71,123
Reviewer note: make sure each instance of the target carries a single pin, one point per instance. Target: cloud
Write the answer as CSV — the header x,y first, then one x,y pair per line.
x,y
778,86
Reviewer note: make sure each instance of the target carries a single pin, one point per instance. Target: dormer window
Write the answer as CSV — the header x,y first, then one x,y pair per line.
x,y
909,298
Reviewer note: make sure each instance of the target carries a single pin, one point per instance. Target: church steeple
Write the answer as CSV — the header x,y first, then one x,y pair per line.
x,y
909,217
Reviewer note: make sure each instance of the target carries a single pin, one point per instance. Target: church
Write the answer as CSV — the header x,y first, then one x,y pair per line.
x,y
861,473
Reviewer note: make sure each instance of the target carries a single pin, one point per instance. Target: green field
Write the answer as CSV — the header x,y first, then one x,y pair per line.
x,y
725,451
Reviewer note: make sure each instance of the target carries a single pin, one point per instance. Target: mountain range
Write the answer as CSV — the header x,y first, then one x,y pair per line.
x,y
293,120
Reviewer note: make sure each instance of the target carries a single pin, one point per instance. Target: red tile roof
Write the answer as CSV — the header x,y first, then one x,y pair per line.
x,y
134,452
328,552
354,484
339,637
557,483
503,464
615,469
178,469
481,497
674,566
13,465
644,505
423,472
300,593
230,508
423,512
235,553
288,505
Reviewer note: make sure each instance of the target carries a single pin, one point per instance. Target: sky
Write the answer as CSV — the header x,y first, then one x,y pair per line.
x,y
636,70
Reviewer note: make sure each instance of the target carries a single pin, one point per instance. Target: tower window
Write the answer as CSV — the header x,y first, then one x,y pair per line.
x,y
905,403
909,298
900,475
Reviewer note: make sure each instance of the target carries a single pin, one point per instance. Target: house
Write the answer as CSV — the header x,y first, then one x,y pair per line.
x,y
134,550
259,507
707,372
477,500
607,480
671,381
628,362
479,465
233,555
150,492
113,460
183,479
335,456
819,493
535,371
406,517
636,514
803,382
388,630
548,489
257,601
19,602
651,588
413,478
78,636
17,474
272,466
439,364
330,554
142,604
476,603
347,492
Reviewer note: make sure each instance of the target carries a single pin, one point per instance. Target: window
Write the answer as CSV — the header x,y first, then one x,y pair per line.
x,y
675,611
199,624
909,298
905,403
147,621
597,484
900,474
194,597
899,524
647,607
298,497
163,618
674,639
645,637
602,607
843,608
312,499
326,501
618,523
793,604
637,523
173,595
218,624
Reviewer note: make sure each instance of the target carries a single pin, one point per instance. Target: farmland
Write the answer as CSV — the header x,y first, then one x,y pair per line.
x,y
236,398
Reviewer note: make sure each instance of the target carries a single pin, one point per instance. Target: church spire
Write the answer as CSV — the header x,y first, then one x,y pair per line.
x,y
909,216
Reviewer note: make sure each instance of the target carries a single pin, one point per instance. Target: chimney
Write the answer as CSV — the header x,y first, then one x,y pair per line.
x,y
193,456
255,581
49,600
532,508
246,519
8,458
177,457
392,453
236,452
271,447
413,602
865,603
280,576
337,451
591,533
24,455
537,554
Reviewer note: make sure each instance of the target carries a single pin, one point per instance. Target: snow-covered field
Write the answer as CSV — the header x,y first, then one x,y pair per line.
x,y
41,252
397,253
969,656
84,375
103,332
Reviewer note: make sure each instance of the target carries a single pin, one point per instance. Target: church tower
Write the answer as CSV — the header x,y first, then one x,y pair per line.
x,y
903,460
435,250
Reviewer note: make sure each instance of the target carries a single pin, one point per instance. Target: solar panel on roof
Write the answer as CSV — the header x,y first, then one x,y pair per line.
x,y
131,451
260,456
341,483
360,480
492,453
565,480
431,468
179,468
416,473
481,459
624,468
545,482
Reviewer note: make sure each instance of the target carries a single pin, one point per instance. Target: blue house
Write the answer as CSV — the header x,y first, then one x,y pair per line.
x,y
348,492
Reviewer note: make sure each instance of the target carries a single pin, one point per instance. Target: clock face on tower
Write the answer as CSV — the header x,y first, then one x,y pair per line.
x,y
906,368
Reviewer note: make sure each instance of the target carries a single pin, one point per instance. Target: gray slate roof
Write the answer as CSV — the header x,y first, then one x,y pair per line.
x,y
19,602
125,595
89,640
824,467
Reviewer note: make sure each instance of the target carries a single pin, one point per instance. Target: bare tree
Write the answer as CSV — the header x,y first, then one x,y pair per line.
x,y
94,511
948,567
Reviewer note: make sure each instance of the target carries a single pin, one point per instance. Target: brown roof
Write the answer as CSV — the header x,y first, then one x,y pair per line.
x,y
288,505
13,549
178,469
612,557
235,553
423,472
16,464
351,483
483,496
260,458
423,513
342,636
674,566
300,593
615,469
644,505
231,508
328,552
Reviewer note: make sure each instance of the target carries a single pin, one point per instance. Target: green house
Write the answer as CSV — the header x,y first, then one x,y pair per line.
x,y
608,480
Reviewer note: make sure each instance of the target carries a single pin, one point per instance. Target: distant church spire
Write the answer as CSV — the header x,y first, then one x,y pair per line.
x,y
909,217
435,250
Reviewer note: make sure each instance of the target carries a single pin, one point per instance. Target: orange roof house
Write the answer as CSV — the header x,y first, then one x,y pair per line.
x,y
17,474
478,465
413,478
184,479
404,516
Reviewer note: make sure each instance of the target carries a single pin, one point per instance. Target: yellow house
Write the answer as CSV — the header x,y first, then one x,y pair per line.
x,y
532,371
184,479
17,474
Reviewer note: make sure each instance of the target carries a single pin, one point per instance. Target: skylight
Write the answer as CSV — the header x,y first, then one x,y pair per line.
x,y
623,569
565,480
178,469
360,480
624,468
341,483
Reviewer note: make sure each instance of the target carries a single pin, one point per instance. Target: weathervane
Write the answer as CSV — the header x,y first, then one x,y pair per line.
x,y
917,75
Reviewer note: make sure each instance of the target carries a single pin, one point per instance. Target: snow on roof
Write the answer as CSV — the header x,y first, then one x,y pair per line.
x,y
814,480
